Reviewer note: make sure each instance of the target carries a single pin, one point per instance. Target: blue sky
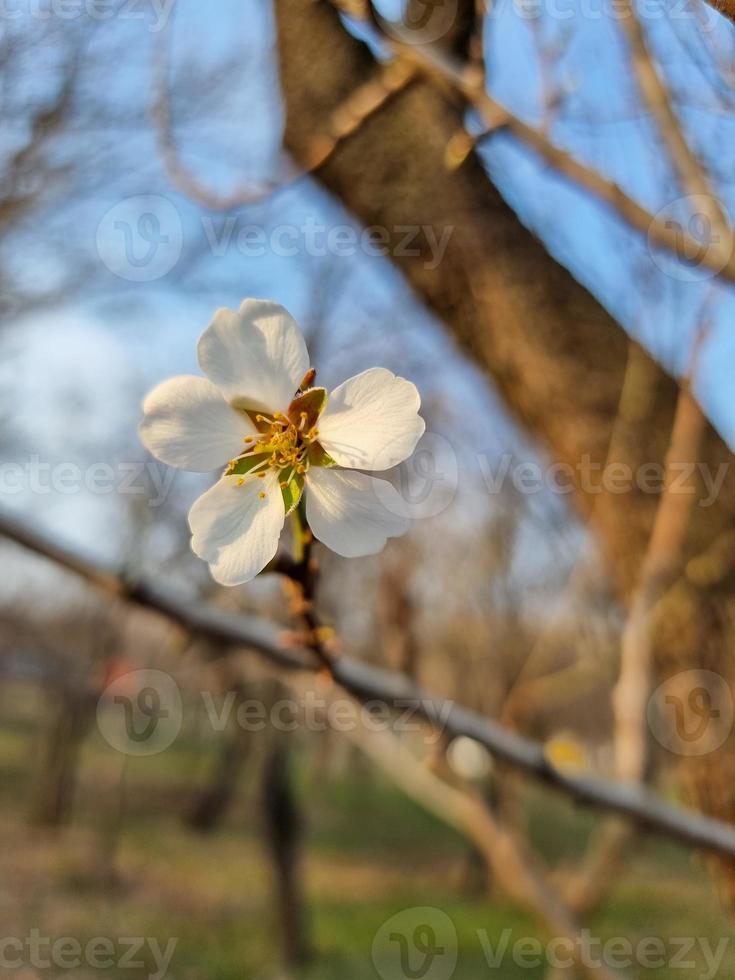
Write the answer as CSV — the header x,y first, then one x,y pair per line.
x,y
97,355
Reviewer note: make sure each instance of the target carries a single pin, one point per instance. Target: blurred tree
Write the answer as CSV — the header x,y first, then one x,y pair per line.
x,y
232,752
283,825
77,646
555,354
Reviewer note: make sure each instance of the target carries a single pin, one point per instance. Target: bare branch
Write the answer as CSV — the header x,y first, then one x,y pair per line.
x,y
691,172
347,119
717,256
661,563
369,683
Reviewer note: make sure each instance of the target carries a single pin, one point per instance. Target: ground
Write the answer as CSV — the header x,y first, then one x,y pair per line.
x,y
370,854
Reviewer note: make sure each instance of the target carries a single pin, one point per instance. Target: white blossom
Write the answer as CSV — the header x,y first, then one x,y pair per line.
x,y
258,415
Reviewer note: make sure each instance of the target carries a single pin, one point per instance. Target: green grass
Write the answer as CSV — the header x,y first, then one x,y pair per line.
x,y
370,854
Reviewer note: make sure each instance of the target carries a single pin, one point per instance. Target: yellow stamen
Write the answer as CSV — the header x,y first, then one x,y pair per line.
x,y
284,445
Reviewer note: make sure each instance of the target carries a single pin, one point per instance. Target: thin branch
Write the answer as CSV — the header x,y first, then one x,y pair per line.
x,y
661,563
669,235
691,172
345,121
369,683
633,689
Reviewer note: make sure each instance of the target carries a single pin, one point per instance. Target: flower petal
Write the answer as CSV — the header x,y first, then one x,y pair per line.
x,y
187,423
236,530
256,355
352,513
371,421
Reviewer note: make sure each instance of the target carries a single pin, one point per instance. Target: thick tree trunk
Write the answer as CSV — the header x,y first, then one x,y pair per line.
x,y
555,354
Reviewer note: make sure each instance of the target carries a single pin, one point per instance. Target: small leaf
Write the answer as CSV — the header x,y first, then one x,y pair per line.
x,y
293,489
311,404
246,463
318,456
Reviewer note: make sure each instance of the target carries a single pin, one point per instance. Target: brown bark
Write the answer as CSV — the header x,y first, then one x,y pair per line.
x,y
555,354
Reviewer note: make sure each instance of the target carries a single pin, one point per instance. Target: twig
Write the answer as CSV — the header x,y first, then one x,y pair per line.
x,y
691,172
302,574
660,563
439,65
345,121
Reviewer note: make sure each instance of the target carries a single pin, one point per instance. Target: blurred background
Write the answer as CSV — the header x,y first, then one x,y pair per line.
x,y
163,158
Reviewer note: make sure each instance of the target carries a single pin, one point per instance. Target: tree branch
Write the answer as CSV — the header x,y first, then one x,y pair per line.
x,y
692,175
368,683
716,255
346,120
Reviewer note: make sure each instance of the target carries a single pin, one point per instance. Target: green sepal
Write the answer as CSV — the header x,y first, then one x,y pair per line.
x,y
312,402
246,463
292,491
318,456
